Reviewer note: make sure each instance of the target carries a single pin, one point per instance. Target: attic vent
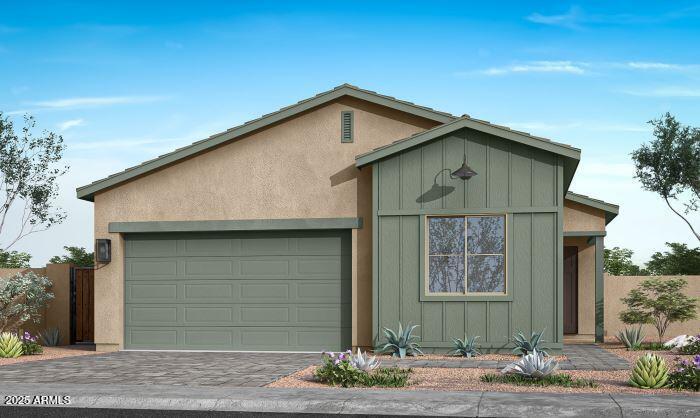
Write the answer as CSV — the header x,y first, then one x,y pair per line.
x,y
346,128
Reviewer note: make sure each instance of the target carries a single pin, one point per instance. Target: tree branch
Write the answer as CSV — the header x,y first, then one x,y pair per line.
x,y
684,219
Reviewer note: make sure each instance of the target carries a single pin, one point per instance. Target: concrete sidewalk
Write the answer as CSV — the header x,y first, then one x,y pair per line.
x,y
352,401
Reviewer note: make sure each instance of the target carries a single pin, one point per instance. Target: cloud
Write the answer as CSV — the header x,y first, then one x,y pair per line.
x,y
78,102
571,19
71,123
566,67
670,91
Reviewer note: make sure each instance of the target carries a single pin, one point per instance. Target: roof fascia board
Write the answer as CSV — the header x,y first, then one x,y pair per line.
x,y
447,128
87,192
611,211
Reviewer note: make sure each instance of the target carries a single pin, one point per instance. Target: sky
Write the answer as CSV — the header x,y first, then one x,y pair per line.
x,y
124,82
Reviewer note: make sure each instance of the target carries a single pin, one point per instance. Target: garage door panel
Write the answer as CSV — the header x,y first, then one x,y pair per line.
x,y
207,247
151,269
154,292
151,248
209,267
281,291
208,315
161,315
273,268
209,291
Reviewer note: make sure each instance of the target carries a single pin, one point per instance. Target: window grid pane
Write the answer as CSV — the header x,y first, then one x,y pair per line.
x,y
480,241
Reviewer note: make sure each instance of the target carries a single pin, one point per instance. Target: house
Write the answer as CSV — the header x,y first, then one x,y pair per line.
x,y
314,226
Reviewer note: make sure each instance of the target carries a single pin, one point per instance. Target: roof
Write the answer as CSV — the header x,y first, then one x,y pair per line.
x,y
88,192
611,210
571,154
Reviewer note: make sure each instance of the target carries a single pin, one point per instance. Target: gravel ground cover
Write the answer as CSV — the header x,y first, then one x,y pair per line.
x,y
468,380
48,354
631,356
482,357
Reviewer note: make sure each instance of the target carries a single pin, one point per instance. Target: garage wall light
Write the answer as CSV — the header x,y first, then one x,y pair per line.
x,y
103,251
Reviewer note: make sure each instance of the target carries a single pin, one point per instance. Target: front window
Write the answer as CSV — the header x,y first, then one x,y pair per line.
x,y
466,254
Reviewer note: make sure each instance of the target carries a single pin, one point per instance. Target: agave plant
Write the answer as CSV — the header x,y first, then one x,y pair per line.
x,y
650,372
631,337
524,346
465,347
50,337
10,345
401,343
534,365
362,361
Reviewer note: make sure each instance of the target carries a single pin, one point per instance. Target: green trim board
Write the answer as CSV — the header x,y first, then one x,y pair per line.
x,y
88,192
236,225
599,291
347,128
571,154
611,210
584,233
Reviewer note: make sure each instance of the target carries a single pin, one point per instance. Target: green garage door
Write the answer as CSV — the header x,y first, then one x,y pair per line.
x,y
281,291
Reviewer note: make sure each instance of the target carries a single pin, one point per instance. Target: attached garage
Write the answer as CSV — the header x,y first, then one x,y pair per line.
x,y
244,290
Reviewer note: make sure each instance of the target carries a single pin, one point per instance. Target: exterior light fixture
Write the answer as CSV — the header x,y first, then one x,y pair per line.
x,y
103,251
464,172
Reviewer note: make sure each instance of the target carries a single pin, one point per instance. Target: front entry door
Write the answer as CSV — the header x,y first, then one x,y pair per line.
x,y
570,290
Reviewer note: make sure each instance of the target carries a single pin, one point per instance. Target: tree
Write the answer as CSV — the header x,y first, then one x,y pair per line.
x,y
680,260
658,302
28,180
14,259
670,165
22,296
76,255
618,262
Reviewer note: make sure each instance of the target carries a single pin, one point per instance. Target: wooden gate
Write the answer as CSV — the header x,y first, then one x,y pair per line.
x,y
82,305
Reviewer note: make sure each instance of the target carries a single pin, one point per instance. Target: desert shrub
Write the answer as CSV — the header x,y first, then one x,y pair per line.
x,y
524,346
10,345
465,348
50,337
686,375
338,369
651,346
401,343
559,379
692,347
631,338
649,372
660,303
22,296
30,346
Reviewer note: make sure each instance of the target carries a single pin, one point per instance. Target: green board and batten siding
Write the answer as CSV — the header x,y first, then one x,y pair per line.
x,y
524,183
269,290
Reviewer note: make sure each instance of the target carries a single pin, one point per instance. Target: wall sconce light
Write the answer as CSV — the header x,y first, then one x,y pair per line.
x,y
464,172
103,251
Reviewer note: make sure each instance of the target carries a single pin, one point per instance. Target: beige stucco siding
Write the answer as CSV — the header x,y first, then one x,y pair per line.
x,y
578,217
295,169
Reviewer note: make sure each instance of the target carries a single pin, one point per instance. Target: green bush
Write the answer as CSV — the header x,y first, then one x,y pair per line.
x,y
692,348
652,346
686,375
649,372
29,345
338,370
560,379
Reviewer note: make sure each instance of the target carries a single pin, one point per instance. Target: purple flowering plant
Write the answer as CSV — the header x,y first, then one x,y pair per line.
x,y
337,369
30,346
686,375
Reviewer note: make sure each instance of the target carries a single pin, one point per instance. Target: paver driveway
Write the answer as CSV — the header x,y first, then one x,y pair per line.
x,y
161,368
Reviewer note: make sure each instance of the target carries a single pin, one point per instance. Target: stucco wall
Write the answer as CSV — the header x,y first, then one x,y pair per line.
x,y
586,283
57,312
295,169
578,217
617,287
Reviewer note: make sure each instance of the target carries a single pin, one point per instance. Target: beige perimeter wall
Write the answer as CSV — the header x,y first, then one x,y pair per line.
x,y
295,169
57,312
617,287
